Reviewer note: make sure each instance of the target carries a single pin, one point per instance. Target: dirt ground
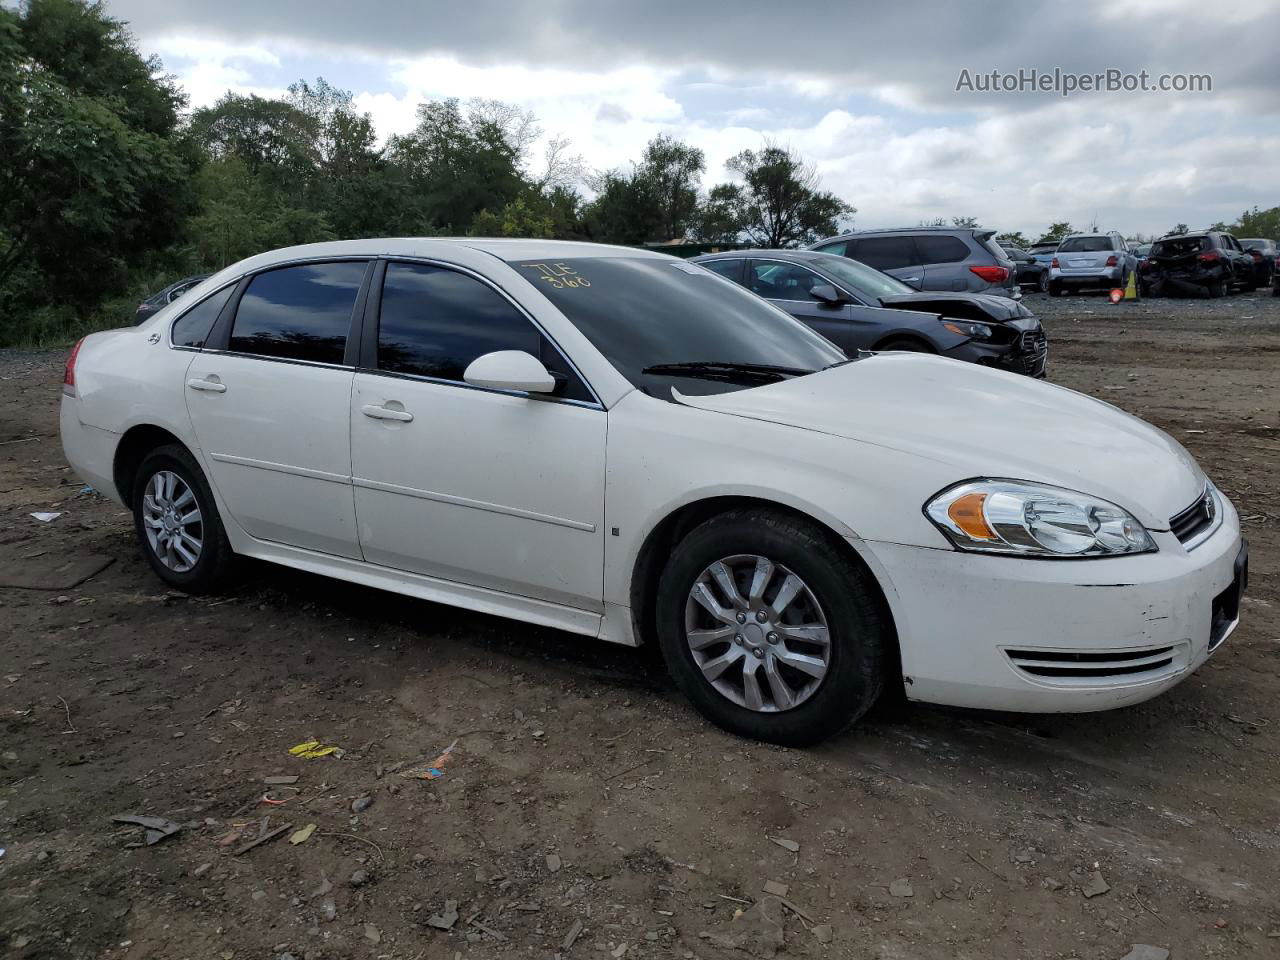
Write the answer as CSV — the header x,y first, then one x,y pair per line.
x,y
583,794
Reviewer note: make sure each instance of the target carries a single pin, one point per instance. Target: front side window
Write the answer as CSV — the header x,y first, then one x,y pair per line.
x,y
783,281
884,253
435,321
192,328
865,281
298,313
836,249
644,314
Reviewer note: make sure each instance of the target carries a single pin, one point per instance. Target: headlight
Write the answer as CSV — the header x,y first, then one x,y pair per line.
x,y
967,328
1034,520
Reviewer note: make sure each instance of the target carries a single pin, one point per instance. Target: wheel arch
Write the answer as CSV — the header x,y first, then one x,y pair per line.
x,y
663,537
136,443
910,335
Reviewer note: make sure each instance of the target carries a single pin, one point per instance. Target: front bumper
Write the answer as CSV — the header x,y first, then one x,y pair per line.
x,y
1028,354
1060,636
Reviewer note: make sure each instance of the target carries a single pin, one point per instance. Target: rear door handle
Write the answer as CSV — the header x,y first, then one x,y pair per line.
x,y
386,413
212,386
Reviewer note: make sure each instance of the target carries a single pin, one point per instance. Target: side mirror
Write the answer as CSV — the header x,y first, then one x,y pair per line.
x,y
510,370
828,294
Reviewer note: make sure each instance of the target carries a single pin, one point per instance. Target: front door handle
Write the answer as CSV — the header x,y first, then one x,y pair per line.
x,y
212,386
386,413
910,279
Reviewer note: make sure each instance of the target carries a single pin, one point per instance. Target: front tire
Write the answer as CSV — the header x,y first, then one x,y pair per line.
x,y
177,522
906,344
770,629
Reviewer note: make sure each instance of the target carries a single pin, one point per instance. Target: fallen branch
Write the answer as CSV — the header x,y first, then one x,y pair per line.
x,y
994,873
70,727
352,836
262,839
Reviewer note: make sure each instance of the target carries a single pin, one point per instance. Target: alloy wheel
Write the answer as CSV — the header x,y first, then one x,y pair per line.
x,y
172,520
757,633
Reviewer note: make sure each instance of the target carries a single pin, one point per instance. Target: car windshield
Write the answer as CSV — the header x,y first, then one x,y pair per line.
x,y
1258,242
643,313
1085,245
1179,247
1043,248
866,281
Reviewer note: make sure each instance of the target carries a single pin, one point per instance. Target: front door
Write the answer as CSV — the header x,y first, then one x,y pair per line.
x,y
787,285
479,486
270,405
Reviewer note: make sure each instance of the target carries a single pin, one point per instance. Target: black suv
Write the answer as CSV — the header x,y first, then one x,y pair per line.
x,y
1208,263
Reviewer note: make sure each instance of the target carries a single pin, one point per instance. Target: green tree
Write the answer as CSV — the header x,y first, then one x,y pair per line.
x,y
1056,232
965,222
1259,223
1178,228
719,217
1013,238
625,209
672,171
781,204
91,180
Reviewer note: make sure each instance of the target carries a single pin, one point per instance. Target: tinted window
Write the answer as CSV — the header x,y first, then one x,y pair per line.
x,y
1085,245
884,253
1016,253
858,278
942,249
641,312
300,313
191,329
836,249
435,321
726,268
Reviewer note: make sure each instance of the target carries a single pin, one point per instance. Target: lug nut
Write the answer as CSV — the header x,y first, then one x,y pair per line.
x,y
772,637
738,639
742,617
758,652
761,616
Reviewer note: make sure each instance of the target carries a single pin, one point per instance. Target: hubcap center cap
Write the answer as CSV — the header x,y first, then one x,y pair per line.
x,y
754,634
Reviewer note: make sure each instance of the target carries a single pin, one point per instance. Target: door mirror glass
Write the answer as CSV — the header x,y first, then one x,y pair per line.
x,y
827,293
510,370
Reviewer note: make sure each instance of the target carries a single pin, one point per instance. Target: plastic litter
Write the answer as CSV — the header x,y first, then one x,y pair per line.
x,y
45,516
433,770
314,749
157,828
303,835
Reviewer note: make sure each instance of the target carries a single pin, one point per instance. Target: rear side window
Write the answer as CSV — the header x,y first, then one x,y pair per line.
x,y
884,253
434,322
943,249
836,249
731,269
192,328
298,313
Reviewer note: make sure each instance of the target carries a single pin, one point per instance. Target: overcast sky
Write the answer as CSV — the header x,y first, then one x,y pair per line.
x,y
867,91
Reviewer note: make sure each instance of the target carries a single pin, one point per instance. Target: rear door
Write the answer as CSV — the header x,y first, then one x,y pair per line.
x,y
896,256
944,258
269,398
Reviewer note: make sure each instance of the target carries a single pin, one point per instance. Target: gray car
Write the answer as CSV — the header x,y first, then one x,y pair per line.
x,y
1091,260
859,308
955,259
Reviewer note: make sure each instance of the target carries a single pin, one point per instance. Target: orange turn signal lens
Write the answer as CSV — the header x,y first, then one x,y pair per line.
x,y
966,513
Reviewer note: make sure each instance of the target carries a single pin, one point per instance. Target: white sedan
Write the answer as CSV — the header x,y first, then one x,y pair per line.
x,y
624,445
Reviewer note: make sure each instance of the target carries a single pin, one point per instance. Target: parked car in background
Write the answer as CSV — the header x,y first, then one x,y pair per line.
x,y
1208,263
955,259
157,301
623,445
1031,272
1086,261
1266,259
1043,252
1140,253
859,308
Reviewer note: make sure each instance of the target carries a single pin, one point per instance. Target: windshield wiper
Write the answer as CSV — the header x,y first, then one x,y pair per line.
x,y
725,370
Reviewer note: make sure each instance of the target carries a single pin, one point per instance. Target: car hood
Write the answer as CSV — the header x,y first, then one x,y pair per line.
x,y
961,306
981,422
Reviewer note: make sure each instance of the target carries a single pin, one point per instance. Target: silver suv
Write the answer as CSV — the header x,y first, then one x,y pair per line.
x,y
963,259
1097,260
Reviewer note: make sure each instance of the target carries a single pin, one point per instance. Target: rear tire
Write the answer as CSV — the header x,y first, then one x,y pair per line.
x,y
835,593
177,522
1042,282
1217,289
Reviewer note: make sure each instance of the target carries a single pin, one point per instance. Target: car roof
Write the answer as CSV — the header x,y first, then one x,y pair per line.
x,y
1082,236
767,254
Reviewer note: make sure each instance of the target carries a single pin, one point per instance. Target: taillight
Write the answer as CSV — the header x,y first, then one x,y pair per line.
x,y
1145,265
1055,264
69,375
1209,257
1257,257
1112,261
991,274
